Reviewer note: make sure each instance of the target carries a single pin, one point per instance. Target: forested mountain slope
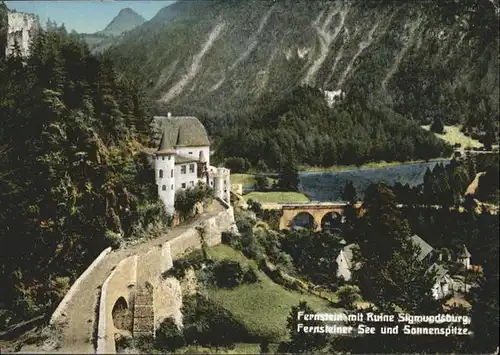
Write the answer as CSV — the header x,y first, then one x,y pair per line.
x,y
73,179
421,59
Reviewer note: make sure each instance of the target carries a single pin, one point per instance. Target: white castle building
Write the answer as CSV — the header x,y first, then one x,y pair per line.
x,y
183,159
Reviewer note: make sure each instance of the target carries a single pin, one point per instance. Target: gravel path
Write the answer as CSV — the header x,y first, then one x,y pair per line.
x,y
75,334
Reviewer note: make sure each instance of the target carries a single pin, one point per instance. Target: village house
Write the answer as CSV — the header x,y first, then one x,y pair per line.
x,y
183,160
444,284
344,261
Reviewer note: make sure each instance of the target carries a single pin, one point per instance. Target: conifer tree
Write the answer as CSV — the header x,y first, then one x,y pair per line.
x,y
301,341
387,258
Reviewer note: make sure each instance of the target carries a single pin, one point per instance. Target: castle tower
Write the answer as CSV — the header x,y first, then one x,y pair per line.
x,y
165,174
464,257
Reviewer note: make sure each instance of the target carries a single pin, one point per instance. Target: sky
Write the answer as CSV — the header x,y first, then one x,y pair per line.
x,y
85,16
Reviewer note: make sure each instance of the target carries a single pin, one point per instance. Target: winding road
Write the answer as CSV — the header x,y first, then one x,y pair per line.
x,y
75,331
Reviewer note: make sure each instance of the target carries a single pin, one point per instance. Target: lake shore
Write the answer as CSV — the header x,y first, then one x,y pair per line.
x,y
367,166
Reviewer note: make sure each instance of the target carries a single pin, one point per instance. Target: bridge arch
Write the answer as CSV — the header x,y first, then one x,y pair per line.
x,y
331,220
320,211
303,220
121,314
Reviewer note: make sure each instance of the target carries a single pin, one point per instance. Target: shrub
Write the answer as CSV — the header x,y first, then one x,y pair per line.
x,y
168,336
251,247
254,206
244,223
250,276
193,260
206,323
237,164
261,183
185,200
123,343
178,269
112,239
348,295
231,239
285,262
437,126
228,274
271,217
262,166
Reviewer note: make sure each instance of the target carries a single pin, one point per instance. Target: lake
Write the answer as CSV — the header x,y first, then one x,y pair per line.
x,y
328,186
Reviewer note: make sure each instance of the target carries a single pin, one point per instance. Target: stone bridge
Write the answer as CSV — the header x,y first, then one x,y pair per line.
x,y
321,214
317,214
136,297
126,293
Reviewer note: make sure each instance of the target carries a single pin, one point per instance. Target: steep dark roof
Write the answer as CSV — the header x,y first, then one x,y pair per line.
x,y
425,248
164,145
464,253
183,131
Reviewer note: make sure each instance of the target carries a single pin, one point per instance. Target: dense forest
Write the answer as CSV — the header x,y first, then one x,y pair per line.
x,y
73,177
301,127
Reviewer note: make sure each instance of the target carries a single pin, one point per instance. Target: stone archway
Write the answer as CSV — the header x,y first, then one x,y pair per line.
x,y
331,220
303,220
122,317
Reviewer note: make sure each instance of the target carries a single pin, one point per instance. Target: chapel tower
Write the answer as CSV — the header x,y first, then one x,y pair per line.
x,y
164,173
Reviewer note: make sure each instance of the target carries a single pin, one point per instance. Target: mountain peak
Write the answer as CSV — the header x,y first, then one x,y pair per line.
x,y
126,20
126,11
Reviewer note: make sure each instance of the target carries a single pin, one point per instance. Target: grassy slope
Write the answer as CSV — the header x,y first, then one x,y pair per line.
x,y
276,197
266,197
262,307
239,348
452,135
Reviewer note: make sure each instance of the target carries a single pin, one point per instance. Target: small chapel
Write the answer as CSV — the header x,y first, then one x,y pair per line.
x,y
183,159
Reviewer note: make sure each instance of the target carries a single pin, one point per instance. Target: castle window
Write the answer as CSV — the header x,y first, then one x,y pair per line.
x,y
164,188
162,158
225,182
183,185
192,183
211,183
191,168
190,152
161,174
172,173
183,169
171,187
169,157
